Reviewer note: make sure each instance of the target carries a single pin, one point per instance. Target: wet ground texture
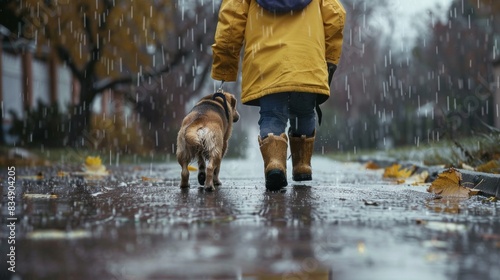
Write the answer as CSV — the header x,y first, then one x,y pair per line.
x,y
348,223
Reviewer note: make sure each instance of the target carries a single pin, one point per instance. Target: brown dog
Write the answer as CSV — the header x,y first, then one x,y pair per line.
x,y
204,135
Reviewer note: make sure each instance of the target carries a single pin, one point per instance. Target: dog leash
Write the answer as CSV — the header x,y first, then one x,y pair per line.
x,y
220,93
221,90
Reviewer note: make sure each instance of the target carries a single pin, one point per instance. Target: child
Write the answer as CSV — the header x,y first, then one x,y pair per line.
x,y
290,55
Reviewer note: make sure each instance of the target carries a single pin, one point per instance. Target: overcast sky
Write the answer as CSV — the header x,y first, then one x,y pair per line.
x,y
419,5
406,10
409,14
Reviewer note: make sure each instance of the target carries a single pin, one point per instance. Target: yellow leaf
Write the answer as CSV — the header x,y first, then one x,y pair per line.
x,y
39,196
448,183
491,199
396,171
93,161
192,168
62,174
361,247
52,234
93,167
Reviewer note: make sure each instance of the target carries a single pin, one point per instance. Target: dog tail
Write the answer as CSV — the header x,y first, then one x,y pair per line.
x,y
203,138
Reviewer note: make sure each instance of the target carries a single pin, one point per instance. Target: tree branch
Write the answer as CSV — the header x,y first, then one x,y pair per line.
x,y
130,79
66,57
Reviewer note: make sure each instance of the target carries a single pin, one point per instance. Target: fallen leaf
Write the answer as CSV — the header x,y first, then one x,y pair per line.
x,y
361,247
57,234
446,227
396,171
418,179
448,183
39,196
62,174
372,165
93,161
435,257
492,166
370,203
192,168
420,222
466,166
38,176
93,168
491,199
474,192
149,179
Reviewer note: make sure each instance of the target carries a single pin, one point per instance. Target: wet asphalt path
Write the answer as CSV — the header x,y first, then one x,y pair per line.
x,y
348,223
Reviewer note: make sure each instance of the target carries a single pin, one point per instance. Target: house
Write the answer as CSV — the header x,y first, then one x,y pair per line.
x,y
26,80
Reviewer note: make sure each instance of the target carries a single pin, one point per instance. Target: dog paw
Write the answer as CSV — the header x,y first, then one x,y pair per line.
x,y
209,188
217,182
201,178
184,186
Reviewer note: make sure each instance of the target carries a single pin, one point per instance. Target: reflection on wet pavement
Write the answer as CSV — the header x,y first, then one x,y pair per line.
x,y
137,224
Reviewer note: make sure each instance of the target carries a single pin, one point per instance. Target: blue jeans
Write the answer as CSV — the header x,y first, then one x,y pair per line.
x,y
279,108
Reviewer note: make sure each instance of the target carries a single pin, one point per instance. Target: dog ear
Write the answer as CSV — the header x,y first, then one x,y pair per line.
x,y
236,116
232,101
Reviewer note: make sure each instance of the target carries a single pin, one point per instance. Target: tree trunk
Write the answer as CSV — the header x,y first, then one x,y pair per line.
x,y
53,81
79,132
27,80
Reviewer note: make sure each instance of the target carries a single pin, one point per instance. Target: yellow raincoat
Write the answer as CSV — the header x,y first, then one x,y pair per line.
x,y
283,52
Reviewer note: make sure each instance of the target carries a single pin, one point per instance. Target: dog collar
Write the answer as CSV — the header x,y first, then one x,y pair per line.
x,y
221,95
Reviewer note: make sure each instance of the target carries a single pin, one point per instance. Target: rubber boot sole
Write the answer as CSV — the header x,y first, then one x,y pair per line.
x,y
275,180
302,177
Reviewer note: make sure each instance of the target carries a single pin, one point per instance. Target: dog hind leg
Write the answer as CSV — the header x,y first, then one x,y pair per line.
x,y
184,174
201,169
216,180
213,164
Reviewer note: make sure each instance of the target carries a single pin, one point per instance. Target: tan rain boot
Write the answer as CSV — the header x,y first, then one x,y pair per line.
x,y
273,149
302,148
